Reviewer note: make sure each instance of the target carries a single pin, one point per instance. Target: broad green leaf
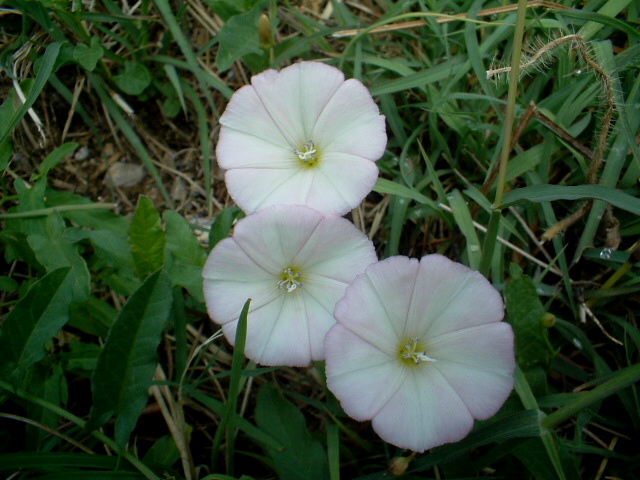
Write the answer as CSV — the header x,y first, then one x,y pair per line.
x,y
54,158
223,223
525,312
34,320
147,239
93,316
302,456
53,250
88,55
125,368
85,216
163,452
184,256
549,193
238,37
8,284
134,79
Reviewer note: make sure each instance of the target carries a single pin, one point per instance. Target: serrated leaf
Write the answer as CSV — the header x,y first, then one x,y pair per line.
x,y
146,238
125,368
184,256
524,313
88,55
302,456
34,320
134,79
238,37
53,250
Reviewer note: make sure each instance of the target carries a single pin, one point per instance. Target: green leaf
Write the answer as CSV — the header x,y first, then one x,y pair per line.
x,y
8,284
500,428
46,67
302,457
184,256
238,37
549,193
147,239
54,158
34,320
463,219
223,223
134,79
525,313
54,250
125,368
88,55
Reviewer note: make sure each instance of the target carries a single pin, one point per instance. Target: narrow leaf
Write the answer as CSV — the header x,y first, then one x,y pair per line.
x,y
549,193
125,367
46,67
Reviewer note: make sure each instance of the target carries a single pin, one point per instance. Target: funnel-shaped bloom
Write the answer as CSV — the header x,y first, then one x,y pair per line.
x,y
294,263
303,136
420,349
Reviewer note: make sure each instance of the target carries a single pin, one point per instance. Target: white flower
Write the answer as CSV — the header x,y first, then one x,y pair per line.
x,y
294,263
303,136
420,349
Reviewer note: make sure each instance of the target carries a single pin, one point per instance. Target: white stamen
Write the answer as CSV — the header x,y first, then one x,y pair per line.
x,y
410,352
309,153
290,282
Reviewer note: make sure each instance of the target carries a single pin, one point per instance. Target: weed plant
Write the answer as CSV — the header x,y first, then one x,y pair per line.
x,y
512,149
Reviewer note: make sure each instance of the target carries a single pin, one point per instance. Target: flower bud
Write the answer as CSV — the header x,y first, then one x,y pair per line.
x,y
265,33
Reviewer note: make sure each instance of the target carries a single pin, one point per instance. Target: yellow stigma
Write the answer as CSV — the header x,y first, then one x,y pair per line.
x,y
413,352
308,156
290,279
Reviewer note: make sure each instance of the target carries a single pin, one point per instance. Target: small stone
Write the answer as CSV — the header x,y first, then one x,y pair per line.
x,y
82,153
125,174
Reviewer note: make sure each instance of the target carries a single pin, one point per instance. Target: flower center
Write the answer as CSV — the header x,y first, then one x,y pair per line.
x,y
308,155
413,352
290,279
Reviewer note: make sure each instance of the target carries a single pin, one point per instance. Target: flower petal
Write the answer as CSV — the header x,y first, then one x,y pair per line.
x,y
286,325
246,113
341,182
450,296
295,96
375,304
237,149
254,189
424,413
479,363
351,123
360,375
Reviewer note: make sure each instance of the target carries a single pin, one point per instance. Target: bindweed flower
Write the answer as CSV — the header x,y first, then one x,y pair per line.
x,y
294,263
303,136
419,348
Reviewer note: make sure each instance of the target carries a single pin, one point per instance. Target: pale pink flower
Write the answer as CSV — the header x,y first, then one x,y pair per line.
x,y
420,349
294,263
302,135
